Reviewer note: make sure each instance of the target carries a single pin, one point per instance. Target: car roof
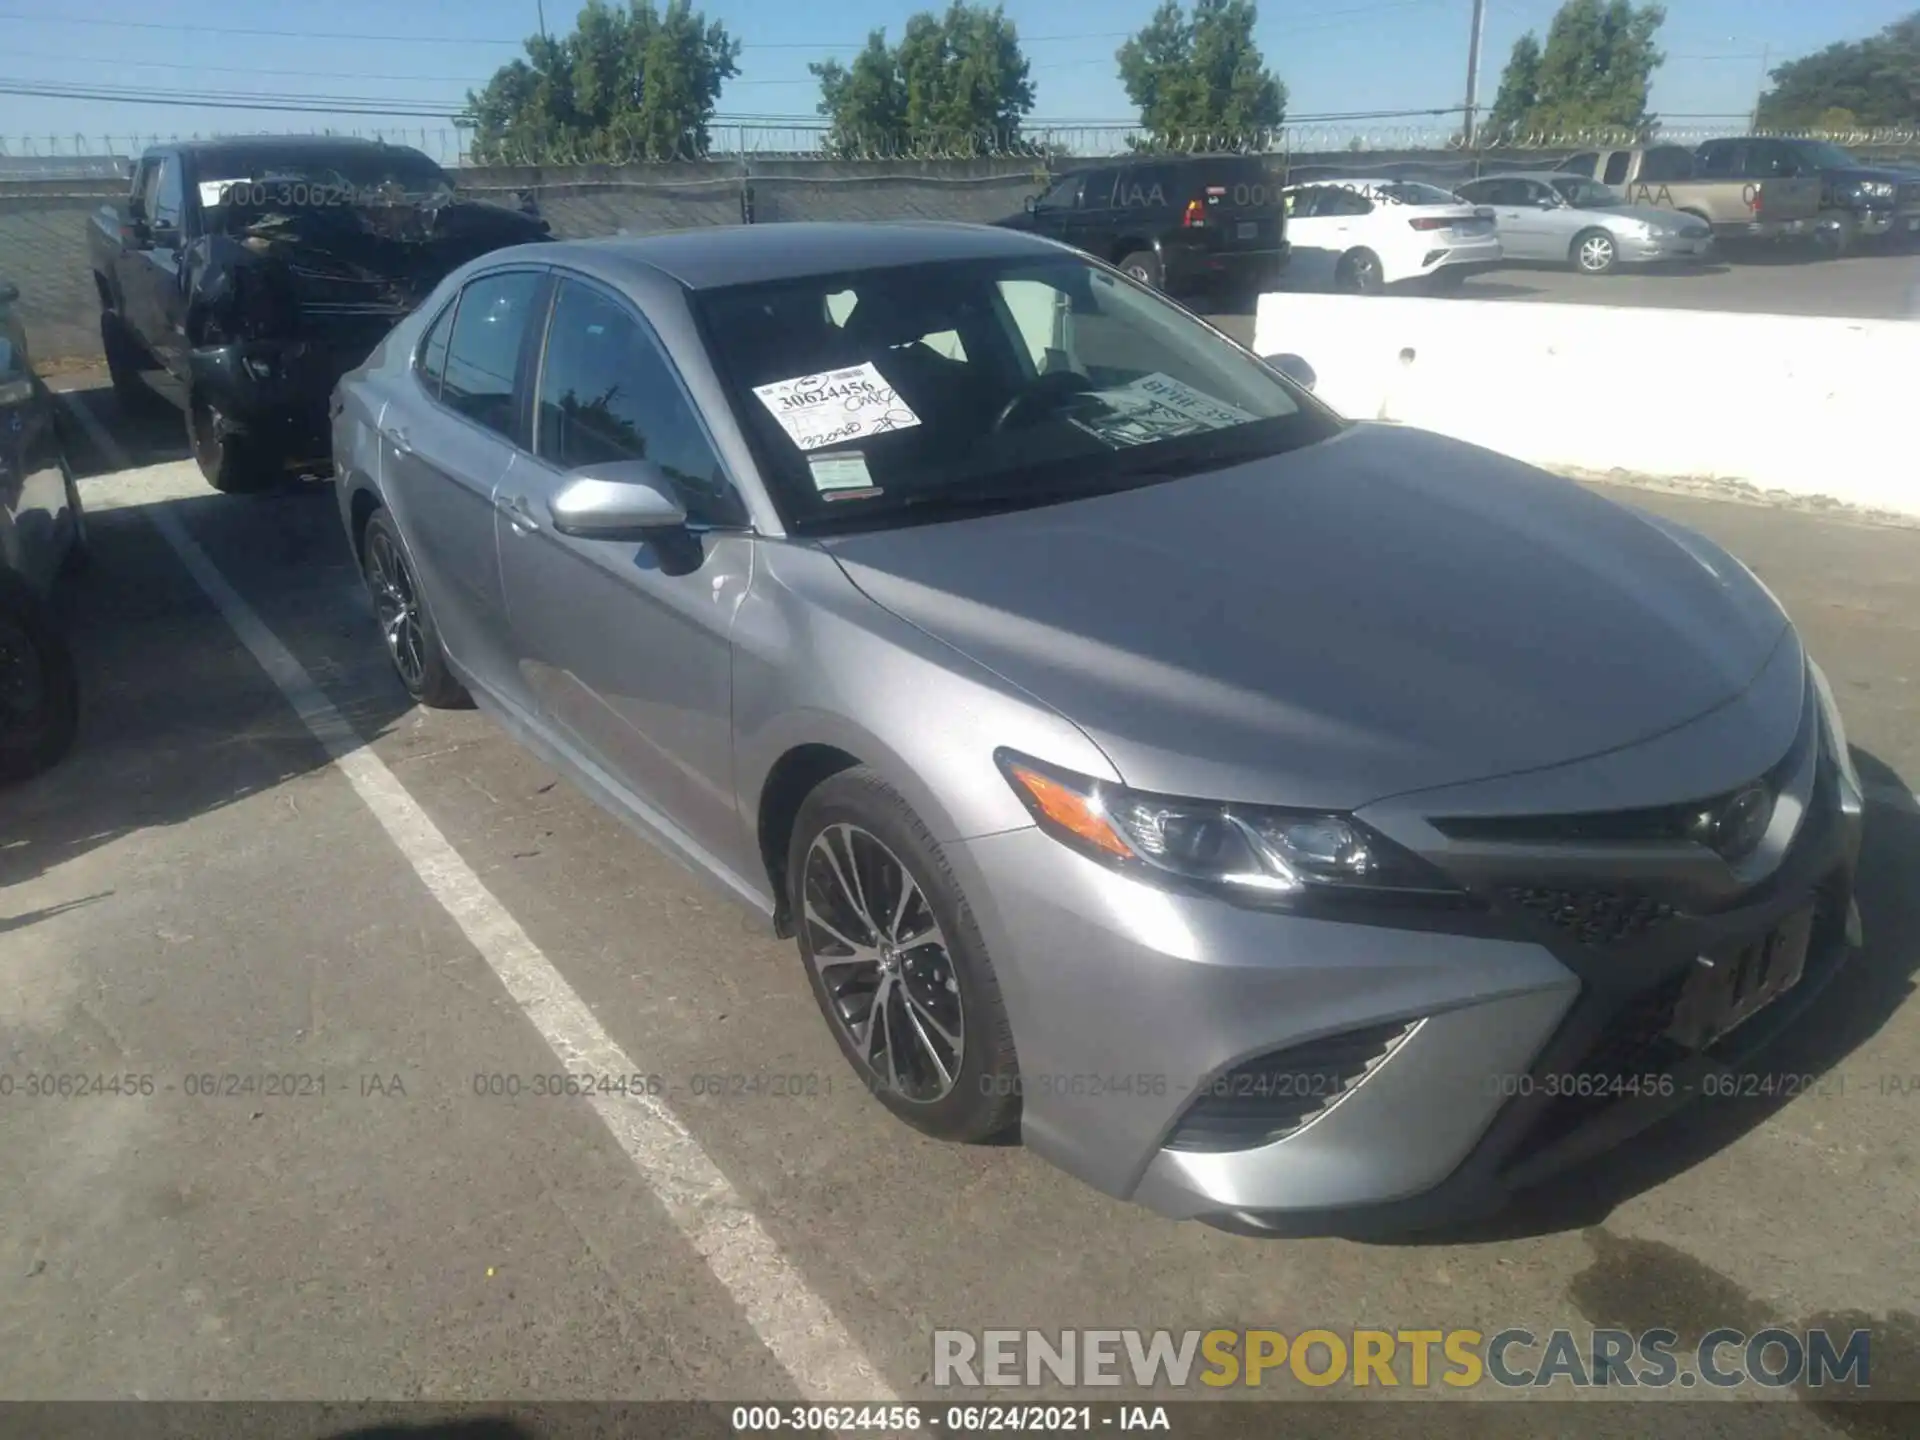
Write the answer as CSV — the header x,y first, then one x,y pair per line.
x,y
712,257
1546,177
253,144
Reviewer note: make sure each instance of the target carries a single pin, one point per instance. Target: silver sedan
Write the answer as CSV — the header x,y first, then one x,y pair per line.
x,y
1571,220
1265,814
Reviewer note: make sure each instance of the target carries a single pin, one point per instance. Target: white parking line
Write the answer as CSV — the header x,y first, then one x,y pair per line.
x,y
794,1323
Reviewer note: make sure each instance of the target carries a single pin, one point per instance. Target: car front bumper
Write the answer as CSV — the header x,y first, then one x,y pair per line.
x,y
1485,1054
277,390
1664,249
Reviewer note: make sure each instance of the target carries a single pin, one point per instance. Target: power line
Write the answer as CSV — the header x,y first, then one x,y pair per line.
x,y
177,27
234,100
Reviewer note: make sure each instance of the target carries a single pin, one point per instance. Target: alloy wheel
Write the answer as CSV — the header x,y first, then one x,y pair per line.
x,y
885,965
1596,253
397,607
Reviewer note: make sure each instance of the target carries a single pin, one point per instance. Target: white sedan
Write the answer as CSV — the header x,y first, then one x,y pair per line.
x,y
1364,235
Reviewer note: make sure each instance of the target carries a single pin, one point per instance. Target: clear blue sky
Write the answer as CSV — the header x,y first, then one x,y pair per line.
x,y
1335,55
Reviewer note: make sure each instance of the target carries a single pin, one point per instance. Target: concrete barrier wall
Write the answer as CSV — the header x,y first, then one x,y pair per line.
x,y
1813,406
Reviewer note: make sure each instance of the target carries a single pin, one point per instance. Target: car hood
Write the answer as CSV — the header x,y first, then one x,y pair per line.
x,y
1382,612
1870,172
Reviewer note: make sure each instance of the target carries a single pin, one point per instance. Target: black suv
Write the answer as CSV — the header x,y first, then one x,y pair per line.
x,y
1178,223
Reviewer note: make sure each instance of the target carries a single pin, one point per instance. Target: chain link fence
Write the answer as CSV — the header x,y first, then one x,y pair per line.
x,y
51,187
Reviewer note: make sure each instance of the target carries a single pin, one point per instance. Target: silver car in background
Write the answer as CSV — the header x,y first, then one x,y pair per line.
x,y
1571,220
1288,823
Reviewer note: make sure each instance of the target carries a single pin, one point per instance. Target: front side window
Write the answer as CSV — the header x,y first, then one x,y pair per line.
x,y
1587,194
874,398
607,393
488,328
1618,164
431,364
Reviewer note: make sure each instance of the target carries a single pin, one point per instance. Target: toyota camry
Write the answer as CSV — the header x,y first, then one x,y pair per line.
x,y
1281,821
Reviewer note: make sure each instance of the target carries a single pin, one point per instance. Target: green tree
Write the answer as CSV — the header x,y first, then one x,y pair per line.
x,y
1593,73
956,82
1519,94
1199,78
1874,83
626,83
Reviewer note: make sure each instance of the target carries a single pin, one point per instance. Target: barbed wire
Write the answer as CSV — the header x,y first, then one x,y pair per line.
x,y
81,156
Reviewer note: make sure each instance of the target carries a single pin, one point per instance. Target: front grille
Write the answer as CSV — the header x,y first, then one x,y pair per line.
x,y
1271,1096
1593,917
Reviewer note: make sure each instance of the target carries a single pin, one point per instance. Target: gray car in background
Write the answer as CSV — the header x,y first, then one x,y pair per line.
x,y
1571,220
42,536
1293,824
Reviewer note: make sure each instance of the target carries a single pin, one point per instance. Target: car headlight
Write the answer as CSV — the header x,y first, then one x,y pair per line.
x,y
1256,855
1878,189
1852,796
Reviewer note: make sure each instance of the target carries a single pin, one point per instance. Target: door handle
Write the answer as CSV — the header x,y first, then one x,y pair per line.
x,y
518,512
396,436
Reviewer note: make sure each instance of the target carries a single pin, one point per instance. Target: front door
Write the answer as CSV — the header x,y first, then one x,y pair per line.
x,y
626,645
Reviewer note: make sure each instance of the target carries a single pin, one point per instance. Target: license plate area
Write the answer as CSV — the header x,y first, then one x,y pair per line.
x,y
1247,230
1729,986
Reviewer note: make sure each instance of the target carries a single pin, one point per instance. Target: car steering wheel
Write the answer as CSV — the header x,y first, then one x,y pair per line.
x,y
1049,390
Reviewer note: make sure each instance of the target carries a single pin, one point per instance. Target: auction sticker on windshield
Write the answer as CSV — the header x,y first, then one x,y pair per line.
x,y
836,405
1158,407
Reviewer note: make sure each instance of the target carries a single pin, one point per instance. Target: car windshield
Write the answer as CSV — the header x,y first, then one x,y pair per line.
x,y
924,391
1587,194
339,176
1412,192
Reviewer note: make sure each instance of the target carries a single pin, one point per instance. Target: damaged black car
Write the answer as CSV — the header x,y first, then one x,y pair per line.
x,y
241,278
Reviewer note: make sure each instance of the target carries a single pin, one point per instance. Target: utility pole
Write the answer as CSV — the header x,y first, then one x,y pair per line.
x,y
1473,68
541,7
1760,90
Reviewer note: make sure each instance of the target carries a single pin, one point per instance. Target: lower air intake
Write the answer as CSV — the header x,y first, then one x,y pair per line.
x,y
1270,1097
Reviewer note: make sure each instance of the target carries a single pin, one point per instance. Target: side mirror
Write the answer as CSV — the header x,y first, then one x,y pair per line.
x,y
9,292
630,500
1295,368
1033,203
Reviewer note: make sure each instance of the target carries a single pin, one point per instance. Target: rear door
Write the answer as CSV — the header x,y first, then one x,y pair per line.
x,y
446,445
1319,234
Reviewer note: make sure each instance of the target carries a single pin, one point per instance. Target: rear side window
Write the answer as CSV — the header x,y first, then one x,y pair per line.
x,y
484,353
607,393
431,363
1672,162
1142,188
1617,165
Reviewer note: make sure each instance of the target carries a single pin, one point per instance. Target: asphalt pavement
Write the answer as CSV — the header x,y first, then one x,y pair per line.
x,y
327,933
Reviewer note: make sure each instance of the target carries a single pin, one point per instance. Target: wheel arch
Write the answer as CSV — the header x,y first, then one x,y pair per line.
x,y
796,774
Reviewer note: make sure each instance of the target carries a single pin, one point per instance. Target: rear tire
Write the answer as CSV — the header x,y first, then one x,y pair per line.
x,y
231,462
39,686
1144,266
406,626
858,857
1594,252
1359,273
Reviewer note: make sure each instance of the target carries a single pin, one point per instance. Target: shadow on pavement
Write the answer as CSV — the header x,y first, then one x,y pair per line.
x,y
1866,992
151,431
177,718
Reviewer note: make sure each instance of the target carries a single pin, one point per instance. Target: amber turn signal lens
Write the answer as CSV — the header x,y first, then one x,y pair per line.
x,y
1070,811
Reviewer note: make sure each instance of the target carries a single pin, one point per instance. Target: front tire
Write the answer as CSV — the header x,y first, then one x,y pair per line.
x,y
231,461
1359,273
1594,253
39,685
897,963
413,644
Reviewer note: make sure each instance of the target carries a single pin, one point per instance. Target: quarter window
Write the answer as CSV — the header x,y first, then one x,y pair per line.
x,y
484,354
168,195
608,394
432,362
